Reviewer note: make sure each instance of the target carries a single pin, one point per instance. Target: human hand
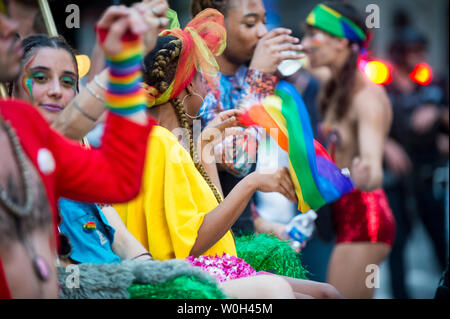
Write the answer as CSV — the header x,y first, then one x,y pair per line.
x,y
224,124
297,247
114,24
360,173
397,160
279,230
154,13
279,182
271,50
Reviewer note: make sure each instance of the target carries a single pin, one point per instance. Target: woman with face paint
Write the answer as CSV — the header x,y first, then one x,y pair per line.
x,y
357,118
97,236
39,166
49,79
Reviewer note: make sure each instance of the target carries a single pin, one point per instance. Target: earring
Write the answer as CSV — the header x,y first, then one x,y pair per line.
x,y
184,99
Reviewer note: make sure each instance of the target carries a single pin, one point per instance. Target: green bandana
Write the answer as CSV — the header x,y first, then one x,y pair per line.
x,y
334,23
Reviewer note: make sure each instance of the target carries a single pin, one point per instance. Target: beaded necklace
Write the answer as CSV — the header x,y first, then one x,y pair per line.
x,y
18,211
40,266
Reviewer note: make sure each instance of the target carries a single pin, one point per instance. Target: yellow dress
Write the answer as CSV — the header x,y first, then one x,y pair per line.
x,y
173,202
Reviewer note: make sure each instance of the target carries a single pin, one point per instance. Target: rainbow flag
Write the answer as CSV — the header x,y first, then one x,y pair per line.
x,y
317,180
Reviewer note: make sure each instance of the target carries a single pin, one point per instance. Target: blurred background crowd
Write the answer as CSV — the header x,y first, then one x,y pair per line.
x,y
411,50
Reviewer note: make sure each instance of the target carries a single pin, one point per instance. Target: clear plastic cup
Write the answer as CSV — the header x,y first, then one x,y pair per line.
x,y
289,67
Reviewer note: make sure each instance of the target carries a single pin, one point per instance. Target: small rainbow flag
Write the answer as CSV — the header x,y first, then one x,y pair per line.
x,y
317,180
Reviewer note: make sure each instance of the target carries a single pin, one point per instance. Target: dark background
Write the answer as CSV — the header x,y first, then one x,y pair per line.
x,y
429,16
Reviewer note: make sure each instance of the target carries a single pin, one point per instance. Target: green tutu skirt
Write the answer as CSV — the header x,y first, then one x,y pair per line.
x,y
182,287
268,253
263,252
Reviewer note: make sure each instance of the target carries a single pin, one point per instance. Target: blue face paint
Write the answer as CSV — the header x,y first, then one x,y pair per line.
x,y
70,82
29,84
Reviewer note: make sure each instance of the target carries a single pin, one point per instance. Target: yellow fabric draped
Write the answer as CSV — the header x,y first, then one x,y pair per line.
x,y
173,202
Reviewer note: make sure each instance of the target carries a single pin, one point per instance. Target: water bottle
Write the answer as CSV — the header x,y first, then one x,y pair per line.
x,y
301,227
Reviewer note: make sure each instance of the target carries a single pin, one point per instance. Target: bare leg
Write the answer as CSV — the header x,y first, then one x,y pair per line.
x,y
302,296
258,287
313,289
347,270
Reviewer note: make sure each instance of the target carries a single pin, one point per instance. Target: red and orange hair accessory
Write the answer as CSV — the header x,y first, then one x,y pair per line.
x,y
202,39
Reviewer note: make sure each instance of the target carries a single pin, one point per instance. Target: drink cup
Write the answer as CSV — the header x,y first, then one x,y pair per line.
x,y
289,67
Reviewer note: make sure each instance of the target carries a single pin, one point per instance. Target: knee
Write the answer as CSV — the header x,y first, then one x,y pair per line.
x,y
273,287
327,291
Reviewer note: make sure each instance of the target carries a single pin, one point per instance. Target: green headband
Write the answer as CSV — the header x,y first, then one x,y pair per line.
x,y
334,23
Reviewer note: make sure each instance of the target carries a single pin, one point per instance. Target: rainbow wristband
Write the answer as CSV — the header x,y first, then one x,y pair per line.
x,y
125,94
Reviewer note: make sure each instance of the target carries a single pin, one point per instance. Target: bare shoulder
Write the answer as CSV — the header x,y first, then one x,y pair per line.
x,y
372,101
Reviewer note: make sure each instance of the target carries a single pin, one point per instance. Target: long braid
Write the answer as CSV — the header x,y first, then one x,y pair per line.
x,y
181,115
162,71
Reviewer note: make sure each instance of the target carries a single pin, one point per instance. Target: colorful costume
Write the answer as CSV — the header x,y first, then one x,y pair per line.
x,y
110,174
358,216
237,91
174,199
89,233
364,217
134,279
169,211
239,152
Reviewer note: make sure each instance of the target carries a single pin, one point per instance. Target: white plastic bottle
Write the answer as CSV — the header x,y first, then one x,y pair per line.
x,y
301,227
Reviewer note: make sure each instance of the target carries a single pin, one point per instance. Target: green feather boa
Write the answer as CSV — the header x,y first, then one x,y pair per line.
x,y
267,253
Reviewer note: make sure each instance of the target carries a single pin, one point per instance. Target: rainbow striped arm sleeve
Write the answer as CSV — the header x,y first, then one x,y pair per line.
x,y
125,95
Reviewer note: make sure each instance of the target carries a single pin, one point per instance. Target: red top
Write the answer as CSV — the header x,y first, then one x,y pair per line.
x,y
110,174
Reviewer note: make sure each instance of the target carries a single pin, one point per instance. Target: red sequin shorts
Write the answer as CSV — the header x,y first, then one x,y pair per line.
x,y
364,217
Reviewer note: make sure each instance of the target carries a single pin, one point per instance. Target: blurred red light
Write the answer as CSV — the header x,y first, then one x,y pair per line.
x,y
422,74
378,72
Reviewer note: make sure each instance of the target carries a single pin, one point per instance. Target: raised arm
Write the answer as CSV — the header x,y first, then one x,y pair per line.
x,y
112,173
83,113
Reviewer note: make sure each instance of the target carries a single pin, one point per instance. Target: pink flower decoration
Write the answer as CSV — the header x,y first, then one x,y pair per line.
x,y
224,267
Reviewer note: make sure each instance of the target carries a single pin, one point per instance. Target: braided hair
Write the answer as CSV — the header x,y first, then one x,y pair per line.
x,y
160,66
